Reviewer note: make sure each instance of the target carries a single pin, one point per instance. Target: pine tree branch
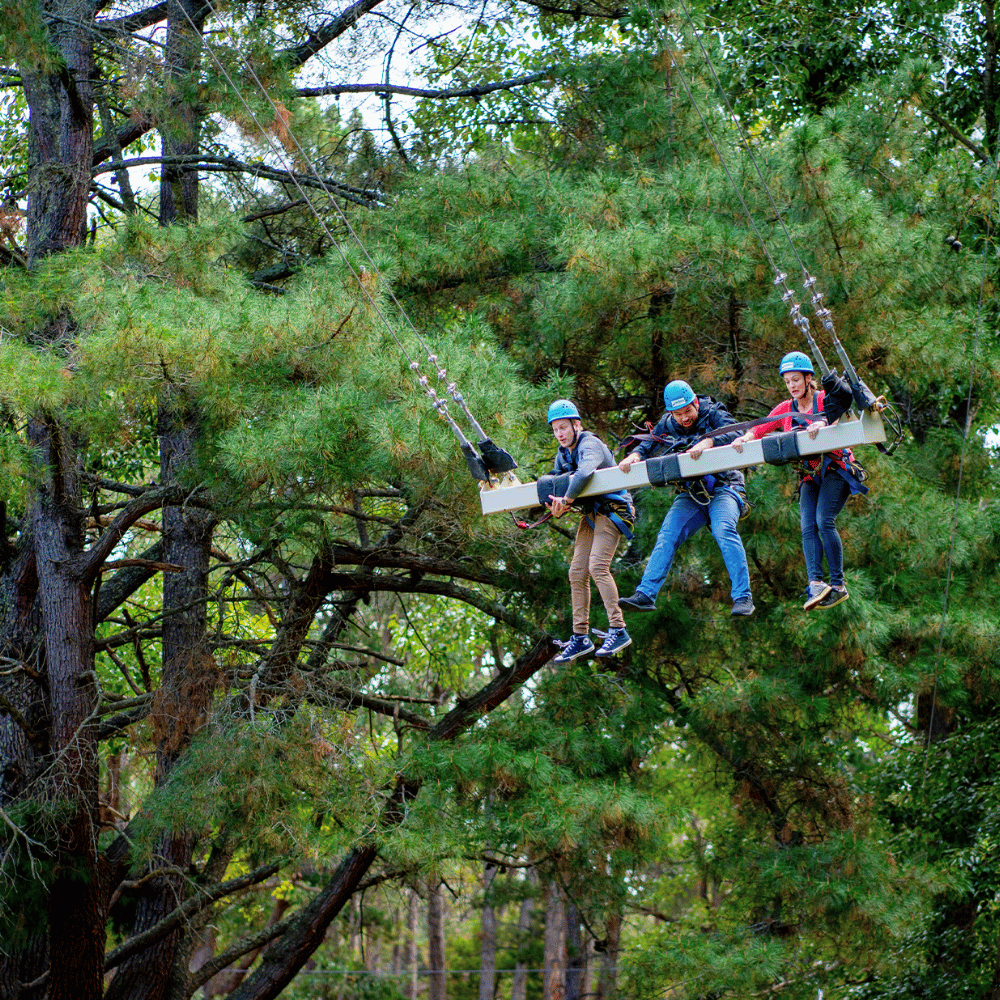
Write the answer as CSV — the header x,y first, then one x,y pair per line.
x,y
297,55
285,957
131,23
98,553
979,152
476,90
229,164
201,899
244,946
365,582
138,124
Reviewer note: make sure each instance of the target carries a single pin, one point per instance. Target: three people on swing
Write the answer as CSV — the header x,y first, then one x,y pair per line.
x,y
718,500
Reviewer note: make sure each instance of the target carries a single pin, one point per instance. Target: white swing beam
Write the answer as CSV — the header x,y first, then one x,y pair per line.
x,y
847,433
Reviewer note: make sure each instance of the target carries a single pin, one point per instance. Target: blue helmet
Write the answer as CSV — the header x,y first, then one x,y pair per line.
x,y
796,361
563,409
677,395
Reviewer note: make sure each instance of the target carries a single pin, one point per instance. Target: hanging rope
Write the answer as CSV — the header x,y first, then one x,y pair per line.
x,y
961,469
864,398
490,458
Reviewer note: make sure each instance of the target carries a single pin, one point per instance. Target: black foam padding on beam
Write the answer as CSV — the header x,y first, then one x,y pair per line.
x,y
780,449
552,486
664,469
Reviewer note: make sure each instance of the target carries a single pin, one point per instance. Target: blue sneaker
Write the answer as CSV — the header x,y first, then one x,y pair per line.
x,y
578,645
615,641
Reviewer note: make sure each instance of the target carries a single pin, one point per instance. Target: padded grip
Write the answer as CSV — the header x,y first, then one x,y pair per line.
x,y
780,449
664,469
552,486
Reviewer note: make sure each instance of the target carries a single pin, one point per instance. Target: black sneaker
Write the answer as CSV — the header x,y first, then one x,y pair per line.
x,y
742,608
578,645
834,598
616,640
638,602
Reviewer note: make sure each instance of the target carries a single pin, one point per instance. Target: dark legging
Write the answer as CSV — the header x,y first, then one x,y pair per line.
x,y
819,507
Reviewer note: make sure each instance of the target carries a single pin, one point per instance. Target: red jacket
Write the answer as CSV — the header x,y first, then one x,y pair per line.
x,y
787,422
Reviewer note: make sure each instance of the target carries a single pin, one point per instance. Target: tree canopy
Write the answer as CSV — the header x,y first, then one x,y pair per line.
x,y
269,680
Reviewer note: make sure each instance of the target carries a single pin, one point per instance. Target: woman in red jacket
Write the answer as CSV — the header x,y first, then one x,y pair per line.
x,y
827,481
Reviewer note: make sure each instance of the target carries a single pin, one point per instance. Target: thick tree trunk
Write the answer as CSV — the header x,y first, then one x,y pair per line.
x,y
61,132
437,977
190,678
77,893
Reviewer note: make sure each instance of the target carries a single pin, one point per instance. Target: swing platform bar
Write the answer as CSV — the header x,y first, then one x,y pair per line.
x,y
776,449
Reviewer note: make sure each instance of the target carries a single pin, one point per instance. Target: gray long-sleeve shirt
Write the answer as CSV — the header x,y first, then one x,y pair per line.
x,y
589,455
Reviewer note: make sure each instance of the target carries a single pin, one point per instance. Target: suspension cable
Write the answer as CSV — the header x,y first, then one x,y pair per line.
x,y
439,404
799,320
961,468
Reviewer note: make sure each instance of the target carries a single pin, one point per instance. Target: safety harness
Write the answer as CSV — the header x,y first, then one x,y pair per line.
x,y
841,460
701,490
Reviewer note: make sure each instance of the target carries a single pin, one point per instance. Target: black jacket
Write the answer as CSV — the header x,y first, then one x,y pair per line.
x,y
711,416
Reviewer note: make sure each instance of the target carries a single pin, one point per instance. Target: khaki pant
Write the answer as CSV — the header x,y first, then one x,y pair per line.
x,y
595,548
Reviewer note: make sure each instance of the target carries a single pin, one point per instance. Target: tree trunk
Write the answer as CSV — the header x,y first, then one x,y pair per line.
x,y
181,129
61,131
437,977
411,956
488,947
519,985
190,678
574,954
607,982
554,987
76,901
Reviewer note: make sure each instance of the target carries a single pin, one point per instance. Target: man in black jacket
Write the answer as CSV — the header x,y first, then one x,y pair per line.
x,y
716,500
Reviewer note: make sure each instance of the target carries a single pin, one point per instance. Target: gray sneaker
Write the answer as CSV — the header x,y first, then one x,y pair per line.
x,y
742,608
833,598
814,593
638,602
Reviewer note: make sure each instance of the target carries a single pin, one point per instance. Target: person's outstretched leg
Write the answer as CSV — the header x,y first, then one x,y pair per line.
x,y
602,551
724,512
833,494
683,519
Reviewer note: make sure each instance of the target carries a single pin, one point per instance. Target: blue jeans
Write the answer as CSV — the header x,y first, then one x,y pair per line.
x,y
819,507
683,519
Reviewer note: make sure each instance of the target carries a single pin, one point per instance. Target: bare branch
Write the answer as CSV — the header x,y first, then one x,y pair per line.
x,y
201,899
478,90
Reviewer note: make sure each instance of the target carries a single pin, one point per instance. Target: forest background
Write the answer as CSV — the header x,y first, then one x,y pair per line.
x,y
277,715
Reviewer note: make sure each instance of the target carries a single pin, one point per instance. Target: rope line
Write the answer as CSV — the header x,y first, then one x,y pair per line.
x,y
799,320
437,402
961,469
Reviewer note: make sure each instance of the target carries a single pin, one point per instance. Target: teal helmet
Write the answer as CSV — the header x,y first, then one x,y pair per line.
x,y
677,395
563,409
796,361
